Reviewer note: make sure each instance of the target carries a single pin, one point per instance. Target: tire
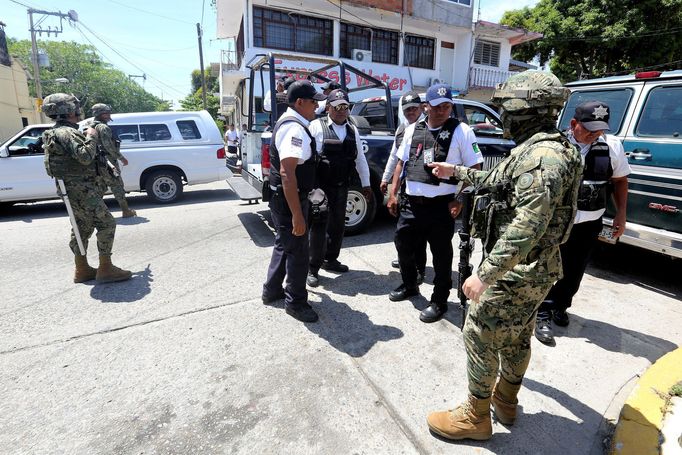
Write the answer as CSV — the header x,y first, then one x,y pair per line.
x,y
359,211
164,187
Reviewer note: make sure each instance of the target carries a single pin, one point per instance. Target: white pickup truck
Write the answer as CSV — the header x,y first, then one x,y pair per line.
x,y
164,150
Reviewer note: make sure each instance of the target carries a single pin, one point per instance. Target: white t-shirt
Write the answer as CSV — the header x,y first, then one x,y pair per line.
x,y
232,137
619,164
340,131
463,151
291,140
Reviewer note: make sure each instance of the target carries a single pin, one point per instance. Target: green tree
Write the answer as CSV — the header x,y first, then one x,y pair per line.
x,y
591,38
90,79
193,101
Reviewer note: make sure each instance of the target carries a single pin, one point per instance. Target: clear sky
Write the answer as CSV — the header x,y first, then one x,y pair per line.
x,y
155,37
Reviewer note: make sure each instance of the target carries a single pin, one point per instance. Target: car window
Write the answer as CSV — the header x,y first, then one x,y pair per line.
x,y
126,133
375,113
29,143
482,122
617,99
158,132
662,113
188,129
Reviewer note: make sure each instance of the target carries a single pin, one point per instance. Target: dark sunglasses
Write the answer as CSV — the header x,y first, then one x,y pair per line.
x,y
340,107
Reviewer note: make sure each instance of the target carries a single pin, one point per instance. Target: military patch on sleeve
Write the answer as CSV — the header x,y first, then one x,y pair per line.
x,y
475,147
525,181
297,142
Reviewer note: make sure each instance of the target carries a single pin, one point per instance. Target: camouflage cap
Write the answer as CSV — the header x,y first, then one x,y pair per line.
x,y
530,90
100,108
60,104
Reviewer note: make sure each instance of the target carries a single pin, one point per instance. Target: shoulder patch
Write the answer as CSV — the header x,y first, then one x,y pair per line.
x,y
297,141
476,148
525,181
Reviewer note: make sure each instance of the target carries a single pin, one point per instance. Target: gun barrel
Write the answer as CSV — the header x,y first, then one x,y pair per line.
x,y
72,217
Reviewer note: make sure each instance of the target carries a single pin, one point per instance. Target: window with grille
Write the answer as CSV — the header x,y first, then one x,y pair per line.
x,y
419,51
461,2
383,43
279,30
487,53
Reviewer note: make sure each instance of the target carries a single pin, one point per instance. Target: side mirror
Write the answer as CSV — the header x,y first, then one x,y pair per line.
x,y
4,153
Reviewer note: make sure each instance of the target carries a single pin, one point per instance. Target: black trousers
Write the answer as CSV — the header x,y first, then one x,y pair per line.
x,y
289,255
429,219
326,236
575,255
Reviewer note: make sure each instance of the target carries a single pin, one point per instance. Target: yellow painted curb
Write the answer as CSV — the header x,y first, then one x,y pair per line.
x,y
639,424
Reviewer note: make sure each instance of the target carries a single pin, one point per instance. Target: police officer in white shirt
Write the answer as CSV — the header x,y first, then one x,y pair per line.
x,y
430,207
605,161
293,159
232,139
340,148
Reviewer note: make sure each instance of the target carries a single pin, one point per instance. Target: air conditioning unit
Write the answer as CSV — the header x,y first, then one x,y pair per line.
x,y
435,80
362,55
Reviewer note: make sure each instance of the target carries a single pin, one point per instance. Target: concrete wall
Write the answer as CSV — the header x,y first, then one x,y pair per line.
x,y
15,101
444,12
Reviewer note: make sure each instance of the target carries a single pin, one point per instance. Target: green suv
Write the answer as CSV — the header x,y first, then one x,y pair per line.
x,y
646,115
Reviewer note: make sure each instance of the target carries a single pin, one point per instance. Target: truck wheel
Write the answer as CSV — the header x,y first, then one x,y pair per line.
x,y
359,211
164,186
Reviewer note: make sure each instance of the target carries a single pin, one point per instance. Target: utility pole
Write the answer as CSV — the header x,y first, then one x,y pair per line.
x,y
71,15
201,64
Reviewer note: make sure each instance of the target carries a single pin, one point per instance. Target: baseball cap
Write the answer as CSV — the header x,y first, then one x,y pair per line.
x,y
331,85
438,94
288,81
411,99
594,115
303,89
337,97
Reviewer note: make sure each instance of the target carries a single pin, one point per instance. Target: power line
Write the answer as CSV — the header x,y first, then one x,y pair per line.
x,y
149,12
667,31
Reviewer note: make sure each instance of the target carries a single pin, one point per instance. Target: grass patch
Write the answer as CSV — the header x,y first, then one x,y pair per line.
x,y
676,390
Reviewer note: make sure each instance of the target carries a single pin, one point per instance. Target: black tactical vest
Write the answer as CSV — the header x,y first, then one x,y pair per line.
x,y
592,194
305,173
426,142
337,158
399,135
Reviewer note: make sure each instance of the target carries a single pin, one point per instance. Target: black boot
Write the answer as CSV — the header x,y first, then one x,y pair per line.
x,y
313,279
543,328
560,318
402,292
395,264
433,312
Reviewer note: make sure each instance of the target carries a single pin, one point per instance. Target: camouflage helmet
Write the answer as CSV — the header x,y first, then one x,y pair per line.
x,y
530,90
100,108
61,104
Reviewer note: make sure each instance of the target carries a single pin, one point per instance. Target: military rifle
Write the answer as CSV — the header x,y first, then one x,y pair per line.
x,y
72,217
466,247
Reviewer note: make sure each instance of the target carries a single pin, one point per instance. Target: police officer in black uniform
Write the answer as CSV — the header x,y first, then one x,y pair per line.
x,y
292,176
429,208
340,149
605,164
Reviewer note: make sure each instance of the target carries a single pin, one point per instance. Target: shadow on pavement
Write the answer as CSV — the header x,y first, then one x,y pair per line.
x,y
356,282
133,220
348,330
27,212
616,339
128,291
258,226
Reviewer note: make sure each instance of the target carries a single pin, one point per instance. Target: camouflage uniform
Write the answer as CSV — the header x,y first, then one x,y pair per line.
x,y
110,146
71,157
523,210
531,211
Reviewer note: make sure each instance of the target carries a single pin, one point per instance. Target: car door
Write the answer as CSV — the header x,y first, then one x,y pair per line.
x,y
22,172
654,149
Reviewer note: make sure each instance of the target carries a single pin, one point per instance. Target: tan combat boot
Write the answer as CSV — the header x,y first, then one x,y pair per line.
x,y
504,401
108,272
470,420
83,270
127,211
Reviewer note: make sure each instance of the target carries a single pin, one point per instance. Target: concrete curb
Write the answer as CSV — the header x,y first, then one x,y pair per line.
x,y
640,421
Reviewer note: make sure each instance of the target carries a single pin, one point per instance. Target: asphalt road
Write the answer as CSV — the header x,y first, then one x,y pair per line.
x,y
184,358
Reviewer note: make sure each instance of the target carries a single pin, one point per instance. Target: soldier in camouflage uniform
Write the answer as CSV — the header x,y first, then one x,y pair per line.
x,y
523,210
110,146
71,157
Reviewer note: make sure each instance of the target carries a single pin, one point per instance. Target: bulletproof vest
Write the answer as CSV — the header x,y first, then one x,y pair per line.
x,y
337,158
282,104
592,194
399,135
59,163
305,172
114,136
428,146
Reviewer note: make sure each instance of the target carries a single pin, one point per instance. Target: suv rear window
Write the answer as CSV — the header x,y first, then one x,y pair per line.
x,y
617,99
662,113
158,132
188,129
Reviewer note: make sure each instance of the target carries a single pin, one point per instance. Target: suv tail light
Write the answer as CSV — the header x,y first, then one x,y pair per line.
x,y
265,159
220,153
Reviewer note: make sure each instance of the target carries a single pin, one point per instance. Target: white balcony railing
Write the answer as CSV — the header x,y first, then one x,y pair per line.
x,y
229,60
488,78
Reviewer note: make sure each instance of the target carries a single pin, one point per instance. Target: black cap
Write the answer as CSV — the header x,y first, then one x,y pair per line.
x,y
288,81
305,90
594,115
411,99
331,85
337,97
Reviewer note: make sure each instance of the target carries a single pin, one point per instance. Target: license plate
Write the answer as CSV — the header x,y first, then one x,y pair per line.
x,y
606,235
